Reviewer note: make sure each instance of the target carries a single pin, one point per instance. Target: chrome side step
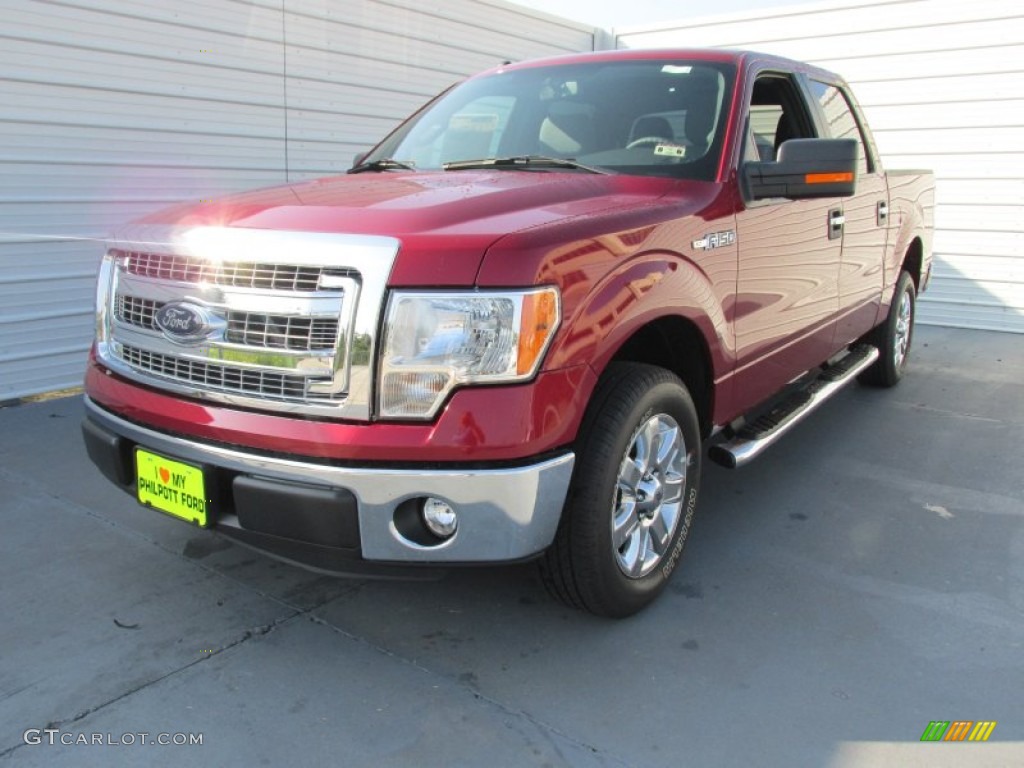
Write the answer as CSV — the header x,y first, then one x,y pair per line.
x,y
757,436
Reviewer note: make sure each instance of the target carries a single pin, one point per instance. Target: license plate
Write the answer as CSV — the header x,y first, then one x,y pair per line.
x,y
172,487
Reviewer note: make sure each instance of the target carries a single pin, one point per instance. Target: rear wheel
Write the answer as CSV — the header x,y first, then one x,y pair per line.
x,y
893,337
633,493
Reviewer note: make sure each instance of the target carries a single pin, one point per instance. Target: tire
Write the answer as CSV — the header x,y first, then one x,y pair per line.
x,y
638,462
893,337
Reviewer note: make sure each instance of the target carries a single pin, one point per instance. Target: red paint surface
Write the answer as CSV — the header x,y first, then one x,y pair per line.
x,y
619,249
479,424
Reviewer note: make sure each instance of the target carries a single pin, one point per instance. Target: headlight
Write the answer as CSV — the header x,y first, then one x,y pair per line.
x,y
437,341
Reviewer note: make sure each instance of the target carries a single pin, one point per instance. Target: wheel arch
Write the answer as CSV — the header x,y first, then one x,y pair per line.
x,y
659,309
677,344
913,261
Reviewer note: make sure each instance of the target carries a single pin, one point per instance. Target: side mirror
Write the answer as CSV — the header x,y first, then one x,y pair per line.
x,y
805,168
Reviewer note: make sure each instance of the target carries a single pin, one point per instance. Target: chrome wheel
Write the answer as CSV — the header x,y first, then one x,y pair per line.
x,y
893,337
649,496
904,320
633,493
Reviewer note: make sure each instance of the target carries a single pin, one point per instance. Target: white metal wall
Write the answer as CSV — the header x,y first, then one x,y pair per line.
x,y
112,108
942,85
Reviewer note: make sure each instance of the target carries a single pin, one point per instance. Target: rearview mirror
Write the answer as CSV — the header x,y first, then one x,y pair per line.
x,y
804,169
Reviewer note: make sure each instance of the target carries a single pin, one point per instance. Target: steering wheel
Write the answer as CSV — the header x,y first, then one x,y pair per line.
x,y
647,140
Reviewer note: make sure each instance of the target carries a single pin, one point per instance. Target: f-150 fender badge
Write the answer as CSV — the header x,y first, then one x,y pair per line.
x,y
715,240
183,322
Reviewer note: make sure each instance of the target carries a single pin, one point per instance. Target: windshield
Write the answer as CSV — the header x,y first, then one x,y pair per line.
x,y
654,118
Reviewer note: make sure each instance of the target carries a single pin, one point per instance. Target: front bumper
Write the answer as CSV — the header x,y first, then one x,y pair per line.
x,y
343,519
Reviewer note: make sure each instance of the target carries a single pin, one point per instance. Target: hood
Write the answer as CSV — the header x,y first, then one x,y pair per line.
x,y
444,220
397,204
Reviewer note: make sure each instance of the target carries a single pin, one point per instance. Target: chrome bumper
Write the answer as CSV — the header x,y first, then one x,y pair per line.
x,y
505,514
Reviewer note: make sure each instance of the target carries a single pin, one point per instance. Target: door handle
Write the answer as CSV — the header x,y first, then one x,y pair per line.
x,y
836,220
883,212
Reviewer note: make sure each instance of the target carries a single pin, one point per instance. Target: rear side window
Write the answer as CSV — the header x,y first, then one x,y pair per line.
x,y
840,119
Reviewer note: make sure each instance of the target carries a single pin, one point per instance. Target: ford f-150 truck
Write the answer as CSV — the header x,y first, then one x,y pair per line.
x,y
514,328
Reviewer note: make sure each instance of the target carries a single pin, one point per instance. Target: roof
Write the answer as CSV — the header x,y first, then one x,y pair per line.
x,y
741,58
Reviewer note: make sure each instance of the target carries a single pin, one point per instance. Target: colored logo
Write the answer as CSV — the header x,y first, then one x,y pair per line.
x,y
958,730
182,322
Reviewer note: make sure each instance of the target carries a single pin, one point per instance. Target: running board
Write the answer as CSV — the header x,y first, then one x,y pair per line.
x,y
757,436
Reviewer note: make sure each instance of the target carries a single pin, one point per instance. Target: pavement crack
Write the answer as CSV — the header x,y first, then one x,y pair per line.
x,y
247,635
293,611
543,726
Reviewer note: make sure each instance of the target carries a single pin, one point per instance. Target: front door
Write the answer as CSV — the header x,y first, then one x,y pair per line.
x,y
789,259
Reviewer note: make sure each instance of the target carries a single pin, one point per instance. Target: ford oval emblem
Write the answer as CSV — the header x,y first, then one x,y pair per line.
x,y
183,322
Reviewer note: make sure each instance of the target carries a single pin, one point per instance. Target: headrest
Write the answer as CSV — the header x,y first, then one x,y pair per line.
x,y
701,111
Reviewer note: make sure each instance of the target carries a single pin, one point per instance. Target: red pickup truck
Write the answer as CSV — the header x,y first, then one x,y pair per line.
x,y
512,329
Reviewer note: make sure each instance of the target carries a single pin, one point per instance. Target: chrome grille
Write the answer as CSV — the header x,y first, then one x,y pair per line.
x,y
225,378
135,311
251,329
281,332
276,315
237,274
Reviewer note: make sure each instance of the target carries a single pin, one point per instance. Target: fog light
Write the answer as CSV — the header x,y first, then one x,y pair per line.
x,y
440,518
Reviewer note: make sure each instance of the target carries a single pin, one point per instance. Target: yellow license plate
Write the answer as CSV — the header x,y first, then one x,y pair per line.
x,y
172,487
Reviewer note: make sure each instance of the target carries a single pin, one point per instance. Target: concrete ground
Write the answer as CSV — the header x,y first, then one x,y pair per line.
x,y
863,578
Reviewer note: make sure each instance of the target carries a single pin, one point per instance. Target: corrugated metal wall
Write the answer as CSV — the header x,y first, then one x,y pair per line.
x,y
942,85
112,108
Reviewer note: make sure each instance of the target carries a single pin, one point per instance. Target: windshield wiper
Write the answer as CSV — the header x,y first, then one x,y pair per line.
x,y
385,164
536,161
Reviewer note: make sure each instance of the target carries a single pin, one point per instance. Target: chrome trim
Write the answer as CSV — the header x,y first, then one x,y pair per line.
x,y
902,331
352,276
740,451
504,514
104,304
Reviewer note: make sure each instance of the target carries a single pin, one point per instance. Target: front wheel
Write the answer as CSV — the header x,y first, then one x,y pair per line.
x,y
893,337
633,493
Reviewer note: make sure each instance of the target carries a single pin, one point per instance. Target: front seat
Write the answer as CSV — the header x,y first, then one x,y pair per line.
x,y
701,114
568,129
785,130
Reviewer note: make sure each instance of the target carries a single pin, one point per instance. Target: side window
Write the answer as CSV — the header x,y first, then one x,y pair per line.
x,y
840,119
777,114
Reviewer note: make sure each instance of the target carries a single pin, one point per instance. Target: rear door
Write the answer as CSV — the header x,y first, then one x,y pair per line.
x,y
866,215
